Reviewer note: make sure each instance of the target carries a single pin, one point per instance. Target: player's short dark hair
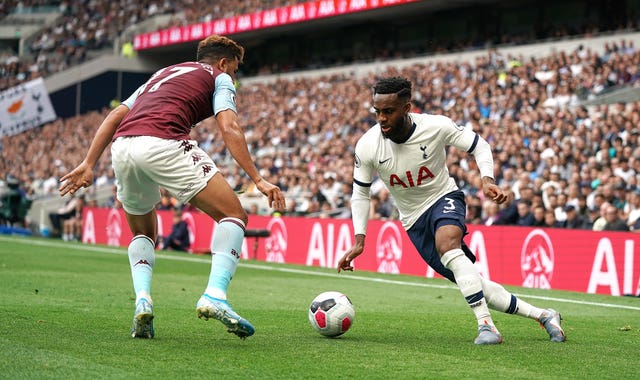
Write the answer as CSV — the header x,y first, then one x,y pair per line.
x,y
216,47
394,85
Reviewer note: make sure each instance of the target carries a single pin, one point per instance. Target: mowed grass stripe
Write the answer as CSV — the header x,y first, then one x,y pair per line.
x,y
66,308
284,269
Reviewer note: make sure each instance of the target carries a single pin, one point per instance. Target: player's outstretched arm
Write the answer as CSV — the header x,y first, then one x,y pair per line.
x,y
493,191
351,254
237,144
82,175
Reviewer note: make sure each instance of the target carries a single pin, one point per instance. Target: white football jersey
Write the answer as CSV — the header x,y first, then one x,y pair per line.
x,y
415,172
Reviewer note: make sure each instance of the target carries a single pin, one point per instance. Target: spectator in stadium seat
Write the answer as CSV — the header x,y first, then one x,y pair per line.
x,y
407,151
613,220
167,201
293,208
610,195
574,220
316,195
525,216
330,188
253,209
561,204
633,211
63,213
601,220
537,130
178,239
592,215
491,213
538,216
113,198
550,220
511,214
581,206
151,148
386,208
474,210
72,227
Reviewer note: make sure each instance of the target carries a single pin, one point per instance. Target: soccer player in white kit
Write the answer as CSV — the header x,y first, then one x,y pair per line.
x,y
407,151
151,148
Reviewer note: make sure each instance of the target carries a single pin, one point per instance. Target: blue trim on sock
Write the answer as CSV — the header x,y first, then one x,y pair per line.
x,y
475,297
513,306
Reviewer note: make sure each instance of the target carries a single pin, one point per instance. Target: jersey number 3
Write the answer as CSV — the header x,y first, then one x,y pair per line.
x,y
449,207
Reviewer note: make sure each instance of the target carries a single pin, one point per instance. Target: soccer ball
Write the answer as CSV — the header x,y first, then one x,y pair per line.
x,y
331,314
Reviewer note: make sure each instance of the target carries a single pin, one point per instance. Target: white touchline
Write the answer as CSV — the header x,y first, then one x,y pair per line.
x,y
267,266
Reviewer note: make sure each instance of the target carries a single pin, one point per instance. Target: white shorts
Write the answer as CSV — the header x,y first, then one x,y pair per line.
x,y
143,164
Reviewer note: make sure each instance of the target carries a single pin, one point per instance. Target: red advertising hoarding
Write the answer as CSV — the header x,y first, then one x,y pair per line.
x,y
575,260
259,20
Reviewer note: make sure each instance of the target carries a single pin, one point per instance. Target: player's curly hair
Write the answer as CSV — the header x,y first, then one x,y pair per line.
x,y
394,85
216,47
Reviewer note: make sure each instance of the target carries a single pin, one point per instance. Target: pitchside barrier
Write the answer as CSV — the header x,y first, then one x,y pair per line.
x,y
548,258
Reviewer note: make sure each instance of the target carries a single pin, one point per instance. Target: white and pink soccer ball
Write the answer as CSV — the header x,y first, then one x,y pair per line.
x,y
331,314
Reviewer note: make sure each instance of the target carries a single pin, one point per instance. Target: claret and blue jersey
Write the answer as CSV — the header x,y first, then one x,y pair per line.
x,y
158,108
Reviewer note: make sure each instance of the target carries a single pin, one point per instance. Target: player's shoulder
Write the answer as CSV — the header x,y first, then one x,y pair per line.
x,y
369,141
427,119
224,86
372,135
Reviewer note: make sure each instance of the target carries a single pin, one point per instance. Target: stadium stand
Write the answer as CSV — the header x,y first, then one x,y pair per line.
x,y
78,31
554,113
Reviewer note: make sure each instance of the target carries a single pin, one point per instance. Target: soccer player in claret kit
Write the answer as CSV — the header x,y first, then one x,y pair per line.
x,y
151,148
407,151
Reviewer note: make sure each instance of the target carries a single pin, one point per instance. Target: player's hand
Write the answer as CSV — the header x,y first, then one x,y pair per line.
x,y
273,192
494,192
349,256
81,176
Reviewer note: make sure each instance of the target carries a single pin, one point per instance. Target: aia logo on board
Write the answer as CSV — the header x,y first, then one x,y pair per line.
x,y
114,227
276,243
389,248
537,260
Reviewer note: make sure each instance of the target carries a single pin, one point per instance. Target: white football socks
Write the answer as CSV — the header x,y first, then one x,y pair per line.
x,y
500,299
470,283
226,247
141,260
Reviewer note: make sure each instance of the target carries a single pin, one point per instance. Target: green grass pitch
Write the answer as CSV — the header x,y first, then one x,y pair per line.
x,y
66,309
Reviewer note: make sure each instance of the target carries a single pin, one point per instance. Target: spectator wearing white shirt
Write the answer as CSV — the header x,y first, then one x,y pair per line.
x,y
633,211
622,169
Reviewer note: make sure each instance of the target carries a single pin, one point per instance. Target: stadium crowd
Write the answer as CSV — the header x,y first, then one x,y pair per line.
x,y
568,166
87,28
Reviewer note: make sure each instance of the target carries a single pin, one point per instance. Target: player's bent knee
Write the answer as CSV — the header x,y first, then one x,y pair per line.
x,y
243,218
237,213
448,256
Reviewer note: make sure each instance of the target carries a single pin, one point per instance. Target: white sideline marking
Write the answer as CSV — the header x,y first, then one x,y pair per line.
x,y
121,251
